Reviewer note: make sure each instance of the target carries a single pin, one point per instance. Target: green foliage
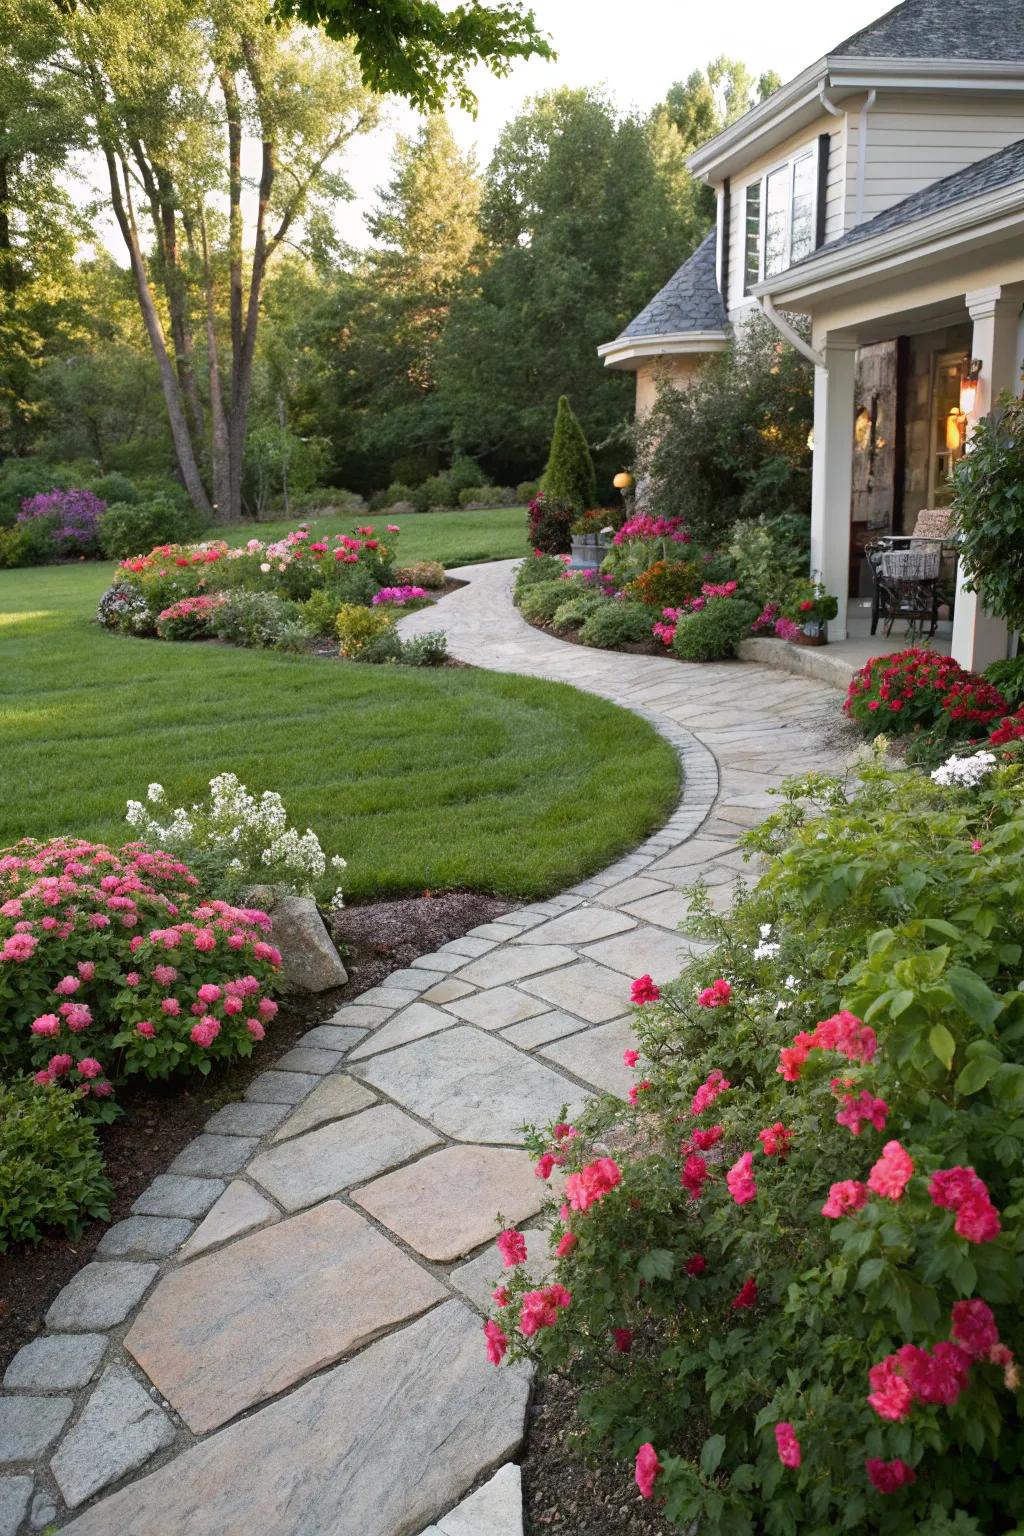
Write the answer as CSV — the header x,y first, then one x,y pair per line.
x,y
27,543
51,1167
21,479
1008,678
616,624
320,610
569,476
538,568
543,599
577,610
422,573
424,51
261,620
809,602
356,627
438,491
276,460
734,445
767,554
485,496
988,505
388,648
115,489
873,914
526,490
715,631
135,527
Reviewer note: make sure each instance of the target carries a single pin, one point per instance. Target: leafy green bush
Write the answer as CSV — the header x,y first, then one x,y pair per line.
x,y
320,610
134,528
1008,678
577,610
482,496
356,626
767,554
114,488
429,650
350,583
422,573
51,1167
437,492
27,544
535,570
988,505
21,479
540,602
916,690
526,490
465,474
569,476
260,620
714,633
793,1291
617,623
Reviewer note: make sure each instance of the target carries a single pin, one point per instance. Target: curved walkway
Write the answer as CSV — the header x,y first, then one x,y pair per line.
x,y
285,1335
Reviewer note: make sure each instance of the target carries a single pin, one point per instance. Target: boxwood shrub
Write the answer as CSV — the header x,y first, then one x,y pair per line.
x,y
51,1167
714,632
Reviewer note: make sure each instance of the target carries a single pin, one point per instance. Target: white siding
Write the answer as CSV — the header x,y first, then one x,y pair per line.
x,y
834,192
917,138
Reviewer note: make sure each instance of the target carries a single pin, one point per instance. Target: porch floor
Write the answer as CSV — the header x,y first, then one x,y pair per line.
x,y
836,662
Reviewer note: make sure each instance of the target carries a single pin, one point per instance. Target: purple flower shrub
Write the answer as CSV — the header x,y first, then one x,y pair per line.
x,y
74,518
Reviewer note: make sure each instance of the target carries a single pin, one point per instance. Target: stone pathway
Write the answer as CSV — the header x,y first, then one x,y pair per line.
x,y
285,1335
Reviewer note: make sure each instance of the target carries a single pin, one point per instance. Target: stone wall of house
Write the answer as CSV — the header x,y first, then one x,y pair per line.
x,y
680,371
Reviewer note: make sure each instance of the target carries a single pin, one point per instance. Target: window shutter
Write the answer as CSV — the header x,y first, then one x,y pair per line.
x,y
824,143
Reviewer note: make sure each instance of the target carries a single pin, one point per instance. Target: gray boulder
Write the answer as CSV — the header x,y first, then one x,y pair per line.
x,y
309,960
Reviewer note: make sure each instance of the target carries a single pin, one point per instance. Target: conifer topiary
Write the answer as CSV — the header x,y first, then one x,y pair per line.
x,y
569,476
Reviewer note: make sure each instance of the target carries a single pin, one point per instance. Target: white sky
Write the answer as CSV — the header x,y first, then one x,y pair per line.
x,y
637,49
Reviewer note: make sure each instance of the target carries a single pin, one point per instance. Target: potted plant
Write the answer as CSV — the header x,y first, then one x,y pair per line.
x,y
806,611
590,533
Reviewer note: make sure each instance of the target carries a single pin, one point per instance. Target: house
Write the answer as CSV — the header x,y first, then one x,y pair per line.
x,y
881,194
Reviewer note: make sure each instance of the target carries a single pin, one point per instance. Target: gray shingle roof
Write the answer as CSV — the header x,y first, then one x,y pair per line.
x,y
988,175
941,29
689,301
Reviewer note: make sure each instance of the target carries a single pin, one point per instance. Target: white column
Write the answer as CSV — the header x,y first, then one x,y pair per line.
x,y
979,638
832,473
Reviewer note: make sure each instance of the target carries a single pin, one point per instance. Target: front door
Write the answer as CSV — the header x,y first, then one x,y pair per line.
x,y
949,427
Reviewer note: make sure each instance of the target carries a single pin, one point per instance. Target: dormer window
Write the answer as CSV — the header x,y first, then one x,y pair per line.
x,y
779,216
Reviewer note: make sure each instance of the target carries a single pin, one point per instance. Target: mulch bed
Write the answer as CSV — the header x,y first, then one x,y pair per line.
x,y
160,1119
563,1495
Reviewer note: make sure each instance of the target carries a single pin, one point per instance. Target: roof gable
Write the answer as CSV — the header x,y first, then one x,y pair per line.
x,y
689,301
936,29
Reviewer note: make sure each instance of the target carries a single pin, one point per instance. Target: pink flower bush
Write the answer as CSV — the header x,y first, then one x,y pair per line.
x,y
592,1183
892,1173
740,1179
396,597
646,1469
717,995
540,1308
643,990
860,1110
960,1190
512,1247
714,1085
888,1476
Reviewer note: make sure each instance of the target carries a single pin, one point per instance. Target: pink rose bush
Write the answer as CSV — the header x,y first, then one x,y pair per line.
x,y
112,965
794,1295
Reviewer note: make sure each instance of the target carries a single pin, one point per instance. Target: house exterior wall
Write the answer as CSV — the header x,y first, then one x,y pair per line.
x,y
680,370
917,137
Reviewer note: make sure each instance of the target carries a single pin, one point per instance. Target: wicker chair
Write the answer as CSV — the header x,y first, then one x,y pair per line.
x,y
913,575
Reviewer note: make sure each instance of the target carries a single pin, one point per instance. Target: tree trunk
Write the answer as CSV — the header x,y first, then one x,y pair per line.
x,y
168,379
219,448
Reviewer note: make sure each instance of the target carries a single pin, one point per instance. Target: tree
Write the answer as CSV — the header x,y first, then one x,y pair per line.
x,y
569,476
169,95
421,50
709,100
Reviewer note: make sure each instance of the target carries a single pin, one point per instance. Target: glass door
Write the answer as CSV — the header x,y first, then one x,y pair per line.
x,y
949,427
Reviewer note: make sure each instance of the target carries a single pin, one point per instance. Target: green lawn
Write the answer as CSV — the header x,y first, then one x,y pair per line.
x,y
422,779
454,538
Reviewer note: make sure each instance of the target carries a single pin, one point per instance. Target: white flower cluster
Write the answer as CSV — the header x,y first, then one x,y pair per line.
x,y
964,772
767,949
254,829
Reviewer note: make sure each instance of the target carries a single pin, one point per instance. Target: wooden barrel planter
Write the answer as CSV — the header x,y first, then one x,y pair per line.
x,y
588,550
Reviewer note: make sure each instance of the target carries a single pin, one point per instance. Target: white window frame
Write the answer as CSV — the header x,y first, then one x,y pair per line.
x,y
806,151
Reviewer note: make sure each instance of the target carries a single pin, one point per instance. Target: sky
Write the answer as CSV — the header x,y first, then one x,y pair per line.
x,y
635,48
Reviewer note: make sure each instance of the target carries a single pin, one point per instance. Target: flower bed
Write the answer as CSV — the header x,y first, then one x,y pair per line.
x,y
789,1277
929,698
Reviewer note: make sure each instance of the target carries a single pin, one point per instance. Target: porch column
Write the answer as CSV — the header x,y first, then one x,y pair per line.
x,y
832,473
979,638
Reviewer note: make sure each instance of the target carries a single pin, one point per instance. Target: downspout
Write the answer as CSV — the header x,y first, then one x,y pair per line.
x,y
787,332
862,154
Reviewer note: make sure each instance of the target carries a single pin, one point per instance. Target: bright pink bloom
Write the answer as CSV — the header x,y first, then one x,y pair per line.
x,y
89,1067
888,1476
592,1183
860,1110
46,1024
497,1342
644,990
132,979
86,969
977,1220
637,1089
566,1244
630,1058
974,1325
145,1028
540,1308
512,1247
694,1175
170,1005
205,1032
647,1468
562,1130
67,986
715,996
715,1083
847,1195
206,941
255,1028
704,1140
165,974
500,1295
740,1179
890,1396
545,1165
208,993
892,1172
19,946
623,1340
961,1190
746,1296
775,1140
267,1007
233,1005
787,1444
43,1078
58,1065
697,1265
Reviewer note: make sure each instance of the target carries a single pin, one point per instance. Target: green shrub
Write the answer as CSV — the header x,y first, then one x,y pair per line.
x,y
768,554
438,492
20,479
397,491
544,599
482,496
51,1167
988,506
569,476
429,650
422,573
466,474
877,959
356,626
526,490
27,543
134,528
917,690
320,610
115,487
349,583
577,610
1008,678
260,620
714,633
617,623
535,570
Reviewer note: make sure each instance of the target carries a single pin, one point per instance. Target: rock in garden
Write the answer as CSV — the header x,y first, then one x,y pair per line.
x,y
310,962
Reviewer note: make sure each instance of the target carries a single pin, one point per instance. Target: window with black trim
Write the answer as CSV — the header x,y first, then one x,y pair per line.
x,y
780,216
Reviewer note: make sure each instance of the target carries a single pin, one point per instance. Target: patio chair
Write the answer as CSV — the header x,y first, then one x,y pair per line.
x,y
905,583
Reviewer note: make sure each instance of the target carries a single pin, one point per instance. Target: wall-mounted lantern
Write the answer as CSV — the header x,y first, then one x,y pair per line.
x,y
969,386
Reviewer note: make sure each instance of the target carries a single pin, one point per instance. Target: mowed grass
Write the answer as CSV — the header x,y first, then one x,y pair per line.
x,y
424,780
454,538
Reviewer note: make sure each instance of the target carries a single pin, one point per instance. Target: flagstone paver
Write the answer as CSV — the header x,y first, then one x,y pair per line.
x,y
444,1206
327,1216
238,1326
29,1425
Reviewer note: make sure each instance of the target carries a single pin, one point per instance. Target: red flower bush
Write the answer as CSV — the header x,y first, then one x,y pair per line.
x,y
917,689
111,965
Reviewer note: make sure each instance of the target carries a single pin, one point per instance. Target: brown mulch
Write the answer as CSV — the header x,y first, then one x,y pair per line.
x,y
160,1119
564,1495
